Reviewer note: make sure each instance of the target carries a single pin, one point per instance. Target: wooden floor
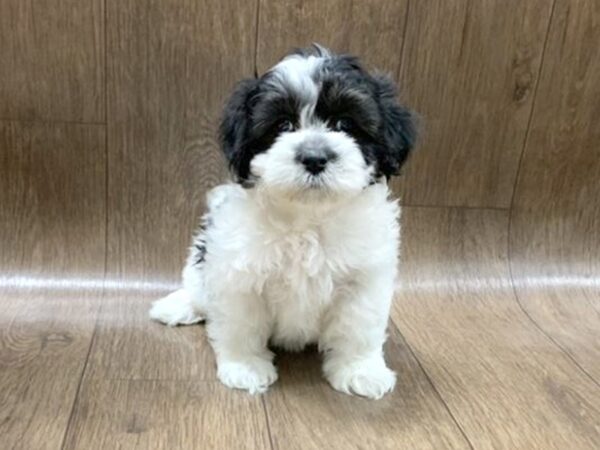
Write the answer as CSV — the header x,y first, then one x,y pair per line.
x,y
481,363
107,145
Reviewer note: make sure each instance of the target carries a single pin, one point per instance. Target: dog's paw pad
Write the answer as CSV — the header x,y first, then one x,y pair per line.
x,y
175,309
368,378
254,377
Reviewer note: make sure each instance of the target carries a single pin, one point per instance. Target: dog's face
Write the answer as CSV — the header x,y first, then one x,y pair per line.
x,y
315,126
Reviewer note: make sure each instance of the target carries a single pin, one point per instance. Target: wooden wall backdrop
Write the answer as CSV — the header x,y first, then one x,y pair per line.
x,y
108,110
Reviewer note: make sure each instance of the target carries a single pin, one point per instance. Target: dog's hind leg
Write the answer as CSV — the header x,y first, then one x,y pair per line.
x,y
177,308
185,306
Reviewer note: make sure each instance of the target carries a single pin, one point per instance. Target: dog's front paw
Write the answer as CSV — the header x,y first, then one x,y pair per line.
x,y
368,377
254,376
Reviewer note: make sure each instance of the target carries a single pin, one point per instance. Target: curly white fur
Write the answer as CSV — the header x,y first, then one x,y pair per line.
x,y
273,273
306,251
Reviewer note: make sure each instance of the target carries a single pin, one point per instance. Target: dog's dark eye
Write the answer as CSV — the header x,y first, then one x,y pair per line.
x,y
343,124
285,126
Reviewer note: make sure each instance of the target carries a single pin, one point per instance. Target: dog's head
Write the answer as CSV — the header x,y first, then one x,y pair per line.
x,y
317,125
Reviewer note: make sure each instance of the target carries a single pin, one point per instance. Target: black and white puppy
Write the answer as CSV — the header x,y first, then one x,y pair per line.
x,y
303,247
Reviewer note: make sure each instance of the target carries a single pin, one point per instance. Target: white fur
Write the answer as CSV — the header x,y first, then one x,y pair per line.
x,y
296,72
177,308
277,270
283,176
296,259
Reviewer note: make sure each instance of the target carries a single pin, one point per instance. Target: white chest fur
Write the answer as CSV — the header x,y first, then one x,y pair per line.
x,y
296,263
300,288
295,278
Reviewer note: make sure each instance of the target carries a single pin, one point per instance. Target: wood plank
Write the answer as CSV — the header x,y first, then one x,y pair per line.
x,y
372,29
129,346
44,341
470,69
300,404
507,384
166,415
52,193
555,238
52,57
306,413
172,66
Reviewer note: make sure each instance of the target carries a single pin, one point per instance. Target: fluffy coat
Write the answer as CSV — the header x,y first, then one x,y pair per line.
x,y
303,247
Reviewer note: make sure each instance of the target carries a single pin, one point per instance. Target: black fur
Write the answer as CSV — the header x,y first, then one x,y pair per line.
x,y
398,128
234,130
314,50
199,249
384,130
199,253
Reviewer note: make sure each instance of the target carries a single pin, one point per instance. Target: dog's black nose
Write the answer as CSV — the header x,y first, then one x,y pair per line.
x,y
314,164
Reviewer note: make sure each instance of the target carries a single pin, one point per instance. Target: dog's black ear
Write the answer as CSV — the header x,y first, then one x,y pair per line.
x,y
399,128
234,127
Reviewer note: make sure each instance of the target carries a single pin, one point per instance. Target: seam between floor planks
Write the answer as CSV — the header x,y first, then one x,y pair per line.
x,y
536,325
432,384
530,120
267,421
514,290
80,383
511,211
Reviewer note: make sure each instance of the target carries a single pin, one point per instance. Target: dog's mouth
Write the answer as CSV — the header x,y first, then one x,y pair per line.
x,y
316,189
315,182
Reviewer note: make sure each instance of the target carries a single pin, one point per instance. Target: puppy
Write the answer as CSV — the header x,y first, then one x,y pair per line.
x,y
303,247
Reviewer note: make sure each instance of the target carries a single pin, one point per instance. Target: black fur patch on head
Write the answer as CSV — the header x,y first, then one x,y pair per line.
x,y
340,99
384,130
252,120
398,128
271,109
365,104
235,127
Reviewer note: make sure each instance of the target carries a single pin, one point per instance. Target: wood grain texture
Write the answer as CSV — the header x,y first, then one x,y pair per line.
x,y
52,200
555,235
44,341
506,383
90,234
470,69
168,76
172,65
52,60
372,29
305,413
129,346
166,415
